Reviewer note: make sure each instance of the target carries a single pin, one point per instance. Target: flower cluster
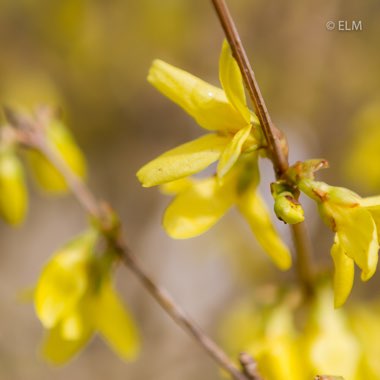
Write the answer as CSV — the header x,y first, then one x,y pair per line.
x,y
13,192
74,298
319,341
354,220
235,142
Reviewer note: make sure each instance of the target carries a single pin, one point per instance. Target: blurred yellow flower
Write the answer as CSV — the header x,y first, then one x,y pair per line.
x,y
355,221
297,341
44,172
13,193
200,203
74,298
235,129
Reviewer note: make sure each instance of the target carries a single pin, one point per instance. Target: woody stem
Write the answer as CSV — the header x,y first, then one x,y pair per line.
x,y
30,133
276,151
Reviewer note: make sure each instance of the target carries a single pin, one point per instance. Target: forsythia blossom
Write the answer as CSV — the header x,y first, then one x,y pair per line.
x,y
354,221
74,298
200,203
224,112
235,138
323,342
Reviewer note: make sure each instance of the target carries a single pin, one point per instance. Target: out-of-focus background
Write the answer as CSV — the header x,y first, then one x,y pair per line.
x,y
91,58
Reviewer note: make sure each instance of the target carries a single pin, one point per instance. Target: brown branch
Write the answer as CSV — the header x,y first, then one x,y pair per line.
x,y
31,134
249,366
277,148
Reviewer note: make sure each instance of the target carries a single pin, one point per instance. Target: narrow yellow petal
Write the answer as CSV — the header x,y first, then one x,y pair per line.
x,y
232,82
207,104
344,273
253,208
175,187
185,160
371,202
63,281
115,324
198,208
232,151
13,193
357,235
58,351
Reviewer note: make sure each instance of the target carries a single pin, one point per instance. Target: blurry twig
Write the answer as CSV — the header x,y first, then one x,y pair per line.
x,y
277,147
30,133
249,366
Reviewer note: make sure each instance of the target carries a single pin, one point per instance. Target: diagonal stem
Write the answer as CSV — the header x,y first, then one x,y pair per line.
x,y
31,134
276,149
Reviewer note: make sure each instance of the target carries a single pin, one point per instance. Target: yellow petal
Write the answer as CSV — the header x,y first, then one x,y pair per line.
x,y
330,344
13,194
58,351
232,151
182,161
115,324
255,211
175,187
344,273
232,82
198,208
207,104
63,281
372,204
72,326
47,177
357,235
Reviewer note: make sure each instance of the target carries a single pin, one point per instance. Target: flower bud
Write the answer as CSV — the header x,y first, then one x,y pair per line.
x,y
13,194
286,206
45,173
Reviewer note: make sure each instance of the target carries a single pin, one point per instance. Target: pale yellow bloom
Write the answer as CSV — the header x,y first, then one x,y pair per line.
x,y
355,221
74,298
235,129
200,203
291,340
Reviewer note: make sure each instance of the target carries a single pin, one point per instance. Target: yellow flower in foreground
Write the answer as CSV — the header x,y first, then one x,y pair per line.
x,y
235,129
354,221
74,298
200,203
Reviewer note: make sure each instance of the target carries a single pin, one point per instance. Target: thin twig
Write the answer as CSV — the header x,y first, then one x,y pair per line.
x,y
276,149
30,133
249,366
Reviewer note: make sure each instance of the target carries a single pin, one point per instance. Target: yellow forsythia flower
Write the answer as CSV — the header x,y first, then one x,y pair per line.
x,y
235,129
45,173
74,298
13,193
330,345
268,333
296,341
354,221
200,203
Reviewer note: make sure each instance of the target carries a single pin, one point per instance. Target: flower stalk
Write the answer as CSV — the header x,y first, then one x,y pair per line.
x,y
30,134
276,143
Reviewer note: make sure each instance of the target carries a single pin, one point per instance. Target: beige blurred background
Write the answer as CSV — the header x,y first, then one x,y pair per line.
x,y
91,58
